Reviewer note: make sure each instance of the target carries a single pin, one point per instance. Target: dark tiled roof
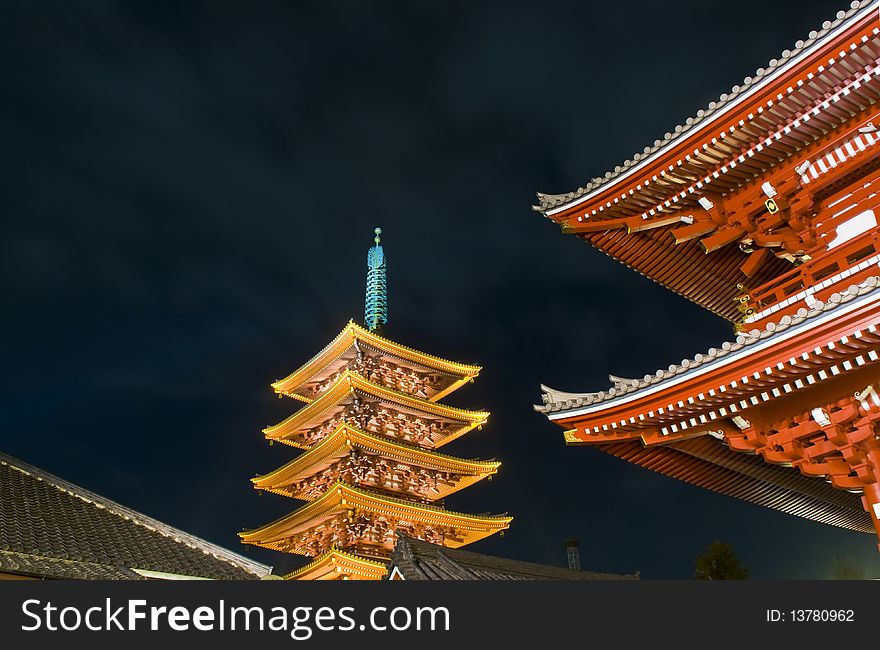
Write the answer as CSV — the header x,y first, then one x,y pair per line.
x,y
418,560
53,529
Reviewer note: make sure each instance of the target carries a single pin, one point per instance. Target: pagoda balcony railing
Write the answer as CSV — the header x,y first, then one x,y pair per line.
x,y
835,264
820,277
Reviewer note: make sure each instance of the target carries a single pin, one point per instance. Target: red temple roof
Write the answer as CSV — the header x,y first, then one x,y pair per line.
x,y
651,212
695,375
764,210
709,124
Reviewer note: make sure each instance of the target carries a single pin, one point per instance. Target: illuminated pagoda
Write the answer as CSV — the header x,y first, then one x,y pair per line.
x,y
371,428
762,209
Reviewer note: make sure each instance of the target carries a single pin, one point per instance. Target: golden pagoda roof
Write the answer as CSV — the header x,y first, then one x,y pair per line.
x,y
347,437
336,564
341,497
347,338
349,382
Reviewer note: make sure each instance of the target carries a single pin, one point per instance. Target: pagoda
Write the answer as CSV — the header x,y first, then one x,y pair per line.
x,y
762,208
371,426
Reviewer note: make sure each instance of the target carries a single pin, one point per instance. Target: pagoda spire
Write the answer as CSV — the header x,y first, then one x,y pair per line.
x,y
376,304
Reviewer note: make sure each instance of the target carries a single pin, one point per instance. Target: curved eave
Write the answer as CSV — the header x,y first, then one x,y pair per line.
x,y
451,388
346,338
347,437
349,382
718,469
765,350
336,564
341,496
772,82
685,269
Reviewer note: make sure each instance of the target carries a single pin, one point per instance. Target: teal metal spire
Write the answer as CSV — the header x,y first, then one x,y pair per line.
x,y
376,306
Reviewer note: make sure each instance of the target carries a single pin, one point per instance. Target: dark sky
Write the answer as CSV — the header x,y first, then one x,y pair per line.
x,y
189,191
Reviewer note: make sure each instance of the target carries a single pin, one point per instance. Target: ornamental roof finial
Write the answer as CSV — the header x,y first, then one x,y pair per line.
x,y
376,304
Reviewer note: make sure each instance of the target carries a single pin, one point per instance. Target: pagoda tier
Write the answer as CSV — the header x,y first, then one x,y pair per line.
x,y
336,564
763,198
375,409
367,523
379,360
765,210
376,462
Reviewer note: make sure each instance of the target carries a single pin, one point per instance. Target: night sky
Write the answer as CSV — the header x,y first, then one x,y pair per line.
x,y
188,195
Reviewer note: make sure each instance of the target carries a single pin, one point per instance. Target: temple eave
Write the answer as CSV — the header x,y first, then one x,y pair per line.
x,y
350,383
444,490
347,438
336,564
844,326
708,463
770,82
349,337
342,497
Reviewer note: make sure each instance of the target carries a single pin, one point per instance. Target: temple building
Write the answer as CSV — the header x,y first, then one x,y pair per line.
x,y
371,426
763,209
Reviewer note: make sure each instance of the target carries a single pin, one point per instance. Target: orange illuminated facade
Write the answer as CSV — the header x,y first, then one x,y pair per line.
x,y
371,425
762,208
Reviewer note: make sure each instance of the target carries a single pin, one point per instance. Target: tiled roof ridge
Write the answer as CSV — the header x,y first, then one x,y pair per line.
x,y
550,201
135,517
552,403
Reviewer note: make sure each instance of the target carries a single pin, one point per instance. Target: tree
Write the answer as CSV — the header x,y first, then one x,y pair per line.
x,y
719,562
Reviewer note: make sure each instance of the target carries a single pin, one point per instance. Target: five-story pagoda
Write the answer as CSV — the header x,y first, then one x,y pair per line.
x,y
371,427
